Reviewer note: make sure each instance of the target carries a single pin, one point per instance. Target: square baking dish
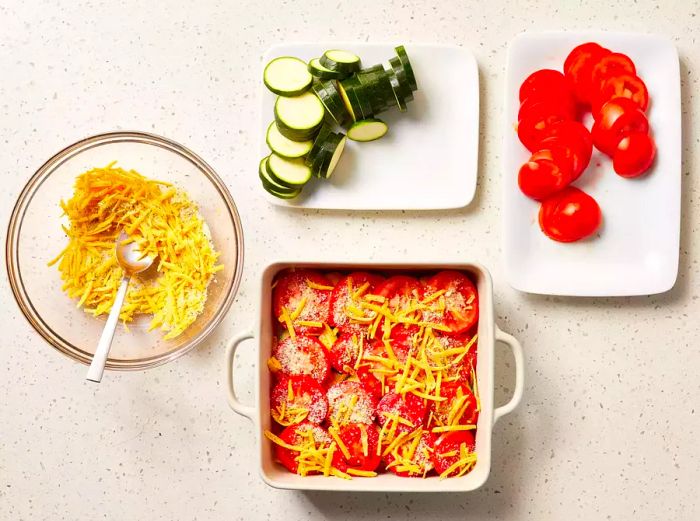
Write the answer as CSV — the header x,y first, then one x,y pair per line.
x,y
277,476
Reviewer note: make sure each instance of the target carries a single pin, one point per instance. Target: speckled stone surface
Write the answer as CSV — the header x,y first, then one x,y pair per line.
x,y
608,428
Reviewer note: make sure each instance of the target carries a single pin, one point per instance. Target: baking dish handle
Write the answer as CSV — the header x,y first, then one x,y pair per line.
x,y
236,405
519,374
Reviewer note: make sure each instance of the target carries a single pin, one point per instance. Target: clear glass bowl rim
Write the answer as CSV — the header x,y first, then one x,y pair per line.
x,y
15,226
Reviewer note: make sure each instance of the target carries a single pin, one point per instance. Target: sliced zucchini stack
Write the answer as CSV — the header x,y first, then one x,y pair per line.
x,y
343,94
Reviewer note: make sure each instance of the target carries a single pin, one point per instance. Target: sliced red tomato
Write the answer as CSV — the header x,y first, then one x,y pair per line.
x,y
370,382
634,155
303,356
340,398
578,69
460,298
345,351
611,65
577,138
292,288
463,367
559,102
622,85
535,123
587,47
399,290
448,449
401,340
306,393
617,118
569,215
363,454
538,179
542,84
296,435
420,461
444,412
409,407
348,293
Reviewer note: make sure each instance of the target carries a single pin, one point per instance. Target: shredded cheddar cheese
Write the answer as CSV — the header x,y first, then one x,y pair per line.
x,y
167,226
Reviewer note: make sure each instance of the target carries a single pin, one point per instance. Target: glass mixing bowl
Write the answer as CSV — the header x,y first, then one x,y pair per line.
x,y
35,236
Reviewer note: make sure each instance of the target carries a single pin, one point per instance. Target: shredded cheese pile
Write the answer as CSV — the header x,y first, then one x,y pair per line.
x,y
167,226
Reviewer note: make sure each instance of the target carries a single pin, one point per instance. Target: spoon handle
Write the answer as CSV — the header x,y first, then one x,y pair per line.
x,y
99,359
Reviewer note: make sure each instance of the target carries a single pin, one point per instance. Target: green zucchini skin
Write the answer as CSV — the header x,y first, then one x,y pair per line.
x,y
331,99
319,71
278,177
403,58
344,67
267,181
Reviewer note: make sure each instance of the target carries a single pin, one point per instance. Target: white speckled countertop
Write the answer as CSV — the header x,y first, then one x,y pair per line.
x,y
608,428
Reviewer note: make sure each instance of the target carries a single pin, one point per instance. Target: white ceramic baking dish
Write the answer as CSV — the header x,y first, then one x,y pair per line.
x,y
277,476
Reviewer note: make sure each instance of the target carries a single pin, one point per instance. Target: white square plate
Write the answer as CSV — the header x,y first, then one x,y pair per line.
x,y
427,160
636,250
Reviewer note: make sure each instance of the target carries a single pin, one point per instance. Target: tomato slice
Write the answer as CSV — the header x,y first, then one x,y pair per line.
x,y
463,366
420,458
344,352
577,138
399,290
409,407
542,84
536,121
611,65
401,340
370,382
306,393
569,215
363,454
461,302
617,118
623,85
580,49
460,401
578,69
340,398
295,435
540,178
634,155
448,449
292,287
348,292
303,356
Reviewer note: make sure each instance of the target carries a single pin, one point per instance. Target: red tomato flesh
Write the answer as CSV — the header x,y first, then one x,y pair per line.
x,y
296,435
542,84
623,85
460,297
421,458
348,292
536,122
577,138
635,154
351,435
617,118
291,287
307,393
451,390
569,215
611,65
303,356
410,408
578,69
448,447
345,351
399,290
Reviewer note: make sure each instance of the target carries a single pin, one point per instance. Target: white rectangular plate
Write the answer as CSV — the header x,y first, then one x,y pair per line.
x,y
636,250
427,160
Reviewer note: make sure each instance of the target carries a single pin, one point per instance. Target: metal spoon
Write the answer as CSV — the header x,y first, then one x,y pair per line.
x,y
132,262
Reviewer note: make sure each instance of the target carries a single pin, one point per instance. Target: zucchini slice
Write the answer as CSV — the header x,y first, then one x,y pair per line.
x,y
302,113
323,73
403,58
367,130
377,85
346,101
374,68
283,146
288,172
282,195
401,100
322,136
344,62
268,182
328,93
327,159
287,76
